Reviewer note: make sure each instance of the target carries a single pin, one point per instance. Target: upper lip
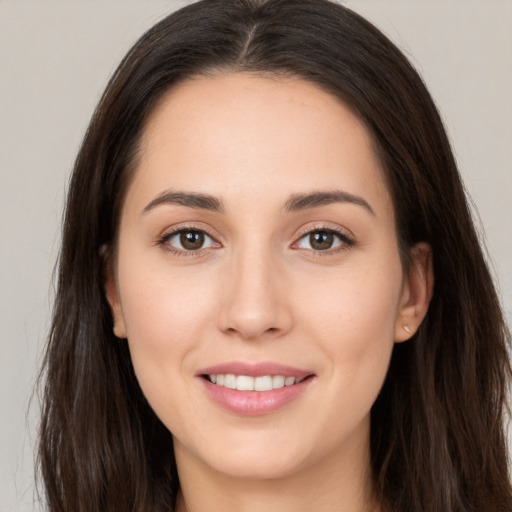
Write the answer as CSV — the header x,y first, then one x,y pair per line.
x,y
254,369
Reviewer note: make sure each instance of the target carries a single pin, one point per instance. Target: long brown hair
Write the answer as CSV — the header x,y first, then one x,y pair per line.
x,y
437,436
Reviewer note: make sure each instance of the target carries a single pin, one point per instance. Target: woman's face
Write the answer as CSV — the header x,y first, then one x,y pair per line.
x,y
257,249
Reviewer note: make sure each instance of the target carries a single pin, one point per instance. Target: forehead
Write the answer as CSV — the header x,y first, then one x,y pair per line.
x,y
240,132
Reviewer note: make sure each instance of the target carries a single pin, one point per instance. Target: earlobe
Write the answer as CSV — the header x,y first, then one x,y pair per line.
x,y
112,296
417,292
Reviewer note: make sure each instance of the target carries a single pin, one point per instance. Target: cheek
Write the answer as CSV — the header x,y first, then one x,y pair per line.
x,y
353,321
165,311
353,325
355,302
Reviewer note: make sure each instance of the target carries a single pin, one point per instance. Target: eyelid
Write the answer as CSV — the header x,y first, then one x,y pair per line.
x,y
323,226
169,233
346,237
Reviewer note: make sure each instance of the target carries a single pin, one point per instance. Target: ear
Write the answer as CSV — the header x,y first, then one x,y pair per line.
x,y
417,292
112,294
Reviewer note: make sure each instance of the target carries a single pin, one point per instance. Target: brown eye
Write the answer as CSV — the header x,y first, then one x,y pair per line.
x,y
192,240
321,240
188,240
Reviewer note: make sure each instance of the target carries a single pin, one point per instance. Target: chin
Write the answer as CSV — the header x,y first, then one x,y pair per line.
x,y
250,457
258,468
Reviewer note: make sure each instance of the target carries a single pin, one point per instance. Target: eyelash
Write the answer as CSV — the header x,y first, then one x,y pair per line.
x,y
163,241
346,241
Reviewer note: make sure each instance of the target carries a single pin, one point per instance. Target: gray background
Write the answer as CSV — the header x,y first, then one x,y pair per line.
x,y
55,59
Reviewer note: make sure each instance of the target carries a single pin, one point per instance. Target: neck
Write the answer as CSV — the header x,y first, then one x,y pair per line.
x,y
333,483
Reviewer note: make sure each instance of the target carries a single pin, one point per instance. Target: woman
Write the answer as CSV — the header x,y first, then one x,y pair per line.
x,y
246,315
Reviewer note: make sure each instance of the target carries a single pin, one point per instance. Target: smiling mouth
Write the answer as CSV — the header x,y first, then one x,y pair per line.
x,y
248,383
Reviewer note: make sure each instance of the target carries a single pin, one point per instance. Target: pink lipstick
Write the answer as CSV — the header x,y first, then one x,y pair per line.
x,y
254,389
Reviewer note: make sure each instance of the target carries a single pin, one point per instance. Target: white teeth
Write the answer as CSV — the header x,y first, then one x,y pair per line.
x,y
230,381
289,381
277,381
246,383
263,383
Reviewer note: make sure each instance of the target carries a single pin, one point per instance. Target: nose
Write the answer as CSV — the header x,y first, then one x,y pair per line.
x,y
255,303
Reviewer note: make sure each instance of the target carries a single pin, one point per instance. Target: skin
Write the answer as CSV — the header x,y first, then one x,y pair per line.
x,y
258,291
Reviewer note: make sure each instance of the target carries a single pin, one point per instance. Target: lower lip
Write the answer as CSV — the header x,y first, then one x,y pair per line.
x,y
255,403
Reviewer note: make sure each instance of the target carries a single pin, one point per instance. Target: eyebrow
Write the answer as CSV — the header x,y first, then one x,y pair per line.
x,y
295,202
189,199
315,199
